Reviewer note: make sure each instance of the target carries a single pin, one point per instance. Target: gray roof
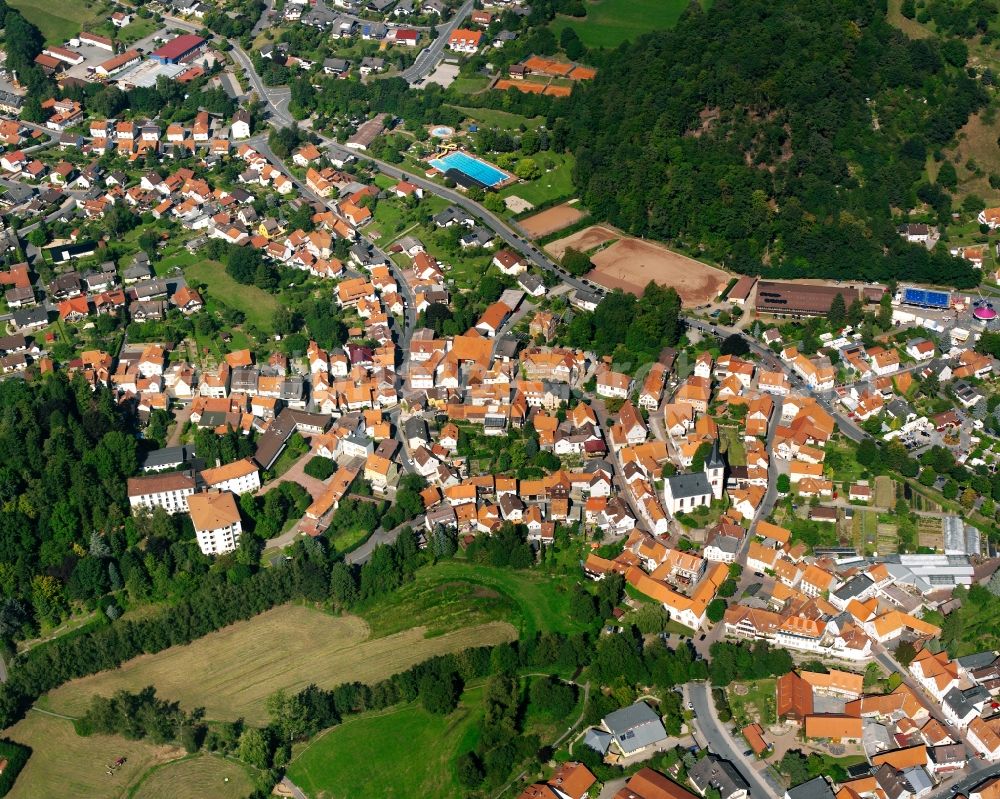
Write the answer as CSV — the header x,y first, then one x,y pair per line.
x,y
598,740
854,587
816,788
918,778
166,457
635,727
714,459
689,485
415,427
717,773
726,543
979,660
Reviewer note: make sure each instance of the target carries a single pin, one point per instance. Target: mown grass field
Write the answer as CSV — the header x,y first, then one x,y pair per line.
x,y
500,119
258,305
610,22
456,592
195,778
60,21
554,183
63,763
416,753
231,672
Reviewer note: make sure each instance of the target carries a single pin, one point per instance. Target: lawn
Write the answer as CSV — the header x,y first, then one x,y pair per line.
x,y
554,184
231,672
196,777
63,763
470,85
58,25
258,305
457,592
752,701
736,454
500,119
414,754
610,22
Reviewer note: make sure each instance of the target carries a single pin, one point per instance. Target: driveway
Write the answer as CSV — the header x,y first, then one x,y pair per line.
x,y
296,474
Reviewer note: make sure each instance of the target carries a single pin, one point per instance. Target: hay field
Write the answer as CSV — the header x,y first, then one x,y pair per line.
x,y
195,778
63,764
231,672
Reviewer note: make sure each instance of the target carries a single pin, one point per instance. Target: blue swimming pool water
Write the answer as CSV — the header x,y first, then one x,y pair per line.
x,y
473,167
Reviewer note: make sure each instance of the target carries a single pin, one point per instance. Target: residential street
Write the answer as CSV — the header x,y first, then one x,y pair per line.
x,y
699,694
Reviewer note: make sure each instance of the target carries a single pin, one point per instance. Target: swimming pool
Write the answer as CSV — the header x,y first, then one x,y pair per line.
x,y
485,173
442,132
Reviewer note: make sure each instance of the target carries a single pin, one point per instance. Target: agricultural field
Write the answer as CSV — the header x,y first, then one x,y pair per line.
x,y
610,22
63,763
456,592
865,530
231,672
885,492
196,777
256,304
61,21
416,754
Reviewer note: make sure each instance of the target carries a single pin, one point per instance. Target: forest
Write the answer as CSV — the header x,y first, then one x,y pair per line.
x,y
776,137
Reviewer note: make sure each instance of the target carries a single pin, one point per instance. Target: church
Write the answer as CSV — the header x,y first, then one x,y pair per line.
x,y
685,492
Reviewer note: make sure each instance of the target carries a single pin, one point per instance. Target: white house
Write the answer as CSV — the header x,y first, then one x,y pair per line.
x,y
216,520
167,491
239,477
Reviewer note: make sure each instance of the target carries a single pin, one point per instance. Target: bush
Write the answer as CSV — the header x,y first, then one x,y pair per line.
x,y
320,468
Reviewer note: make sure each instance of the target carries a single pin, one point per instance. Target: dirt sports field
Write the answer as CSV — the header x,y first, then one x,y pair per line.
x,y
232,671
550,220
630,264
583,240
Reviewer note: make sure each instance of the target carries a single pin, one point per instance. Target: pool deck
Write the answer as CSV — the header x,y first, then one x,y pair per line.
x,y
509,180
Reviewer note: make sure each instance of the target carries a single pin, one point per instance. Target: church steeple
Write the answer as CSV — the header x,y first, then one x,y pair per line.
x,y
715,470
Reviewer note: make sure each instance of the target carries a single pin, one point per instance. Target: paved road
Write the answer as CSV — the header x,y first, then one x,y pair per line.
x,y
427,59
719,741
277,100
364,552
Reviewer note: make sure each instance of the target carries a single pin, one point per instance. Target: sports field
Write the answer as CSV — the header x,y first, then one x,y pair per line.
x,y
195,778
63,763
60,21
416,752
630,264
583,240
610,22
231,672
550,220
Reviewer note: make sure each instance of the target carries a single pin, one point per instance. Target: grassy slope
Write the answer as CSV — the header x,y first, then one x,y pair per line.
x,y
59,21
610,22
231,672
416,754
457,592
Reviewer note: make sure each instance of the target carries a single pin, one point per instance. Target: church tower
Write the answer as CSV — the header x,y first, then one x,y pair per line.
x,y
715,471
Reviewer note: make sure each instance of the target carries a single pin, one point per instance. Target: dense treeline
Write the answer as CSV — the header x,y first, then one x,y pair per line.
x,y
776,136
629,327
